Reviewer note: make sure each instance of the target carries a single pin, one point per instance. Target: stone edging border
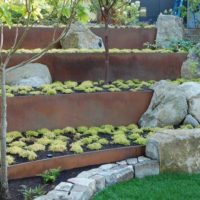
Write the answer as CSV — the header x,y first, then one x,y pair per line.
x,y
88,183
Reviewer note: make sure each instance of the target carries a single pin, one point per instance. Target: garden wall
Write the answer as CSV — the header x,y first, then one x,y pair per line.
x,y
90,66
59,111
120,38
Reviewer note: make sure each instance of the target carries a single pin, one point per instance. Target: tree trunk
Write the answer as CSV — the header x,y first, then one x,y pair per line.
x,y
107,56
4,195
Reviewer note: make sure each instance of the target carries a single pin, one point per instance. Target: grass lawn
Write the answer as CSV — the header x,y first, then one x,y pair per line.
x,y
162,187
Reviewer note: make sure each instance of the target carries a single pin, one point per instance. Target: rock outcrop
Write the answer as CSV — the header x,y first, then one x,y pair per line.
x,y
32,74
168,106
81,37
176,150
169,27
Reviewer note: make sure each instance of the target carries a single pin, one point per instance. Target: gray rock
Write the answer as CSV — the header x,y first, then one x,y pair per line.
x,y
190,89
81,37
178,150
194,107
147,168
132,161
100,182
33,74
168,106
118,174
191,120
107,166
123,162
57,195
169,28
64,186
79,192
191,67
89,173
89,183
143,159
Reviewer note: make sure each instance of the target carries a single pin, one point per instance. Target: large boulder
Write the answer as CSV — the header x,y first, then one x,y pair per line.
x,y
168,106
190,89
32,74
194,107
177,150
191,67
81,37
169,27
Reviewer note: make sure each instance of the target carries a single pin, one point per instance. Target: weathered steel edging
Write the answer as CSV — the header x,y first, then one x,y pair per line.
x,y
34,168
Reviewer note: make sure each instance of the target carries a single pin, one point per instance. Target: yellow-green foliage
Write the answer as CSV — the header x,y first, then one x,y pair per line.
x,y
58,146
36,147
82,129
10,159
188,126
122,128
58,131
14,150
17,144
44,140
13,135
62,138
32,134
30,155
107,129
121,139
134,136
94,146
69,130
70,84
91,131
86,141
141,141
51,91
103,141
76,148
132,127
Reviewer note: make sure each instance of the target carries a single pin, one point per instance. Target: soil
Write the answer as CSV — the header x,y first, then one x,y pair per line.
x,y
16,185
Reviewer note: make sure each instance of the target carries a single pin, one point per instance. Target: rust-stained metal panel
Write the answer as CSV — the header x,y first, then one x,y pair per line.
x,y
35,168
87,66
120,38
92,109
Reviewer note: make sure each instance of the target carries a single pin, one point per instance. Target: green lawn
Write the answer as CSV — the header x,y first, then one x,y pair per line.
x,y
162,187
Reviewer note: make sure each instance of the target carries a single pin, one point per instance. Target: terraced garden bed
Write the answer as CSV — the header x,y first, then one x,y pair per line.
x,y
81,65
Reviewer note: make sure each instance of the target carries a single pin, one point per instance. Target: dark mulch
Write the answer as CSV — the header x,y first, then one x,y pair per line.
x,y
16,185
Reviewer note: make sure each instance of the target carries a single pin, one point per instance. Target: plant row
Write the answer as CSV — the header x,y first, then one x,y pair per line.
x,y
29,145
69,87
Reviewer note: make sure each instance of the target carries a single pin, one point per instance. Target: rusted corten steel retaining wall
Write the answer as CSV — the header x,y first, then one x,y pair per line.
x,y
92,109
35,168
91,66
120,38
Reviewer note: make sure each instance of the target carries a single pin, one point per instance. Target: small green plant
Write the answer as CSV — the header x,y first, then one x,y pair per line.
x,y
94,146
32,193
50,176
58,146
76,148
121,139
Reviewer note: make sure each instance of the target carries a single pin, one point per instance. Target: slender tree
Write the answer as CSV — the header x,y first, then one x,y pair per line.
x,y
106,7
5,57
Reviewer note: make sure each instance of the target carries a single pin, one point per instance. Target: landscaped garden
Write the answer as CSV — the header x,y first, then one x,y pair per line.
x,y
93,93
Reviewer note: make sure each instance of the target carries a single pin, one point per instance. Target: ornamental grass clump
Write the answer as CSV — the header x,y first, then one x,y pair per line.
x,y
58,146
76,148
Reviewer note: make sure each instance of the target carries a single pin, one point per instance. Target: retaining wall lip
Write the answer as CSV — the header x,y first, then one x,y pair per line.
x,y
34,168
